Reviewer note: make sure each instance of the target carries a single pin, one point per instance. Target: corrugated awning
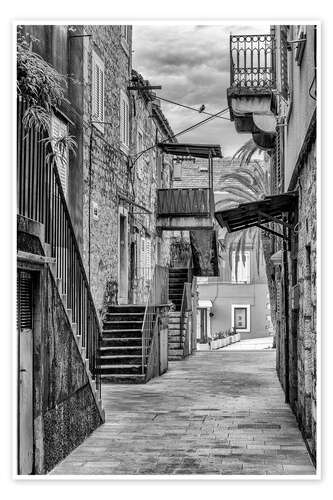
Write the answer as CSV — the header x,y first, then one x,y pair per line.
x,y
256,213
195,150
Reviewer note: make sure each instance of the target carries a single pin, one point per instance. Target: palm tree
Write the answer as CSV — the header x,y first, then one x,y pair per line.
x,y
249,181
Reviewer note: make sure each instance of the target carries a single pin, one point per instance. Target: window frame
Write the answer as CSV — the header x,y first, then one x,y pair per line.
x,y
247,308
62,164
247,267
97,93
124,121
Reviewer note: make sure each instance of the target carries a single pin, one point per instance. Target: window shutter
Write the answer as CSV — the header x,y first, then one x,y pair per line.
x,y
124,119
148,259
59,129
142,257
97,94
284,61
24,300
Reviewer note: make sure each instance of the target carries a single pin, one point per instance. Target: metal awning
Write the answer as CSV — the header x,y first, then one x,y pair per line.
x,y
195,150
256,213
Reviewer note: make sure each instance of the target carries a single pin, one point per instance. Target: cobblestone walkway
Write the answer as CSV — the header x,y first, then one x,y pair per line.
x,y
214,413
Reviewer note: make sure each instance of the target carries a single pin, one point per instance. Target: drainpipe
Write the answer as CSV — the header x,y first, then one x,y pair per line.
x,y
286,314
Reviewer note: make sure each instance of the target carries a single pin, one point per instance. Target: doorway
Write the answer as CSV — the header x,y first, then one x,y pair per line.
x,y
25,371
123,257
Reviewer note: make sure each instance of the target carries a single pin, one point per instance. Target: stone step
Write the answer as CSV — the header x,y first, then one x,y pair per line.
x,y
123,379
122,325
123,369
124,309
119,359
122,342
120,350
129,316
113,334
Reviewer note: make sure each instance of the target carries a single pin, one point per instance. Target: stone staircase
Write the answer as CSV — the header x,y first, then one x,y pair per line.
x,y
177,278
120,354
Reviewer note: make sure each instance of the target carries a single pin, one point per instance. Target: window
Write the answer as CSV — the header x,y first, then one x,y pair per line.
x,y
301,35
59,129
177,171
243,268
124,119
97,97
240,317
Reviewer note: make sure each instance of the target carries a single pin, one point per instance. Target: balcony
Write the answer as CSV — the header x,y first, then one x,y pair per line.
x,y
251,100
185,209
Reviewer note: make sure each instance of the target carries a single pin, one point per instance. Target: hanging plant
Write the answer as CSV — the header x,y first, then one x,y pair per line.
x,y
180,250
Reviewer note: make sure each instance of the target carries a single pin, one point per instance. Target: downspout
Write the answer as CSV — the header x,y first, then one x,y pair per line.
x,y
286,314
89,204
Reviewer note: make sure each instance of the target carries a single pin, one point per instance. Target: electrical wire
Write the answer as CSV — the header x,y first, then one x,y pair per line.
x,y
188,129
191,108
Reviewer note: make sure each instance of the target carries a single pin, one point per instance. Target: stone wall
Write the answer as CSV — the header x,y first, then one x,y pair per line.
x,y
105,162
300,349
65,411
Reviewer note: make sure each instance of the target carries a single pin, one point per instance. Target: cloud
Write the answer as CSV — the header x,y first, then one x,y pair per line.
x,y
191,62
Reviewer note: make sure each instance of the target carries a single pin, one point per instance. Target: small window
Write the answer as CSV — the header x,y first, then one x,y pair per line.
x,y
124,119
301,36
97,92
59,130
243,268
240,318
177,171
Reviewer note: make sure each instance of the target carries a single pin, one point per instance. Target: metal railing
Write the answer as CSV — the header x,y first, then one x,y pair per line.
x,y
40,197
183,202
186,307
251,61
158,294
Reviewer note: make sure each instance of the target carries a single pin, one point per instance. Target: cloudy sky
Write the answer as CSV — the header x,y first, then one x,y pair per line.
x,y
192,65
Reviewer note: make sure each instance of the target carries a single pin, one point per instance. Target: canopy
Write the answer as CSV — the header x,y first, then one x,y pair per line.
x,y
255,213
195,150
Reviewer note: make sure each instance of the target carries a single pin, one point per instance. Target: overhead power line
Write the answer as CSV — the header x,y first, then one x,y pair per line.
x,y
191,108
188,129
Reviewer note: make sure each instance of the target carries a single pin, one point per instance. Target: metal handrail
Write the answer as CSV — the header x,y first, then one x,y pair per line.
x,y
40,197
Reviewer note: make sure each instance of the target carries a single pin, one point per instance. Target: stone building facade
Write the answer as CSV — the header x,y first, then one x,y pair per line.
x,y
294,168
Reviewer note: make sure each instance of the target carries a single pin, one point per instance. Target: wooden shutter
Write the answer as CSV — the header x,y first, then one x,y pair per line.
x,y
148,258
97,95
124,119
59,129
284,62
24,300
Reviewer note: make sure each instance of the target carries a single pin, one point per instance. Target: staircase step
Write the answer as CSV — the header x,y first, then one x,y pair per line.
x,y
119,369
122,342
123,379
128,316
114,334
124,309
119,359
121,350
122,325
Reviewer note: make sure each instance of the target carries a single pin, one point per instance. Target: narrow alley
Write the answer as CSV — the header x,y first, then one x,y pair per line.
x,y
216,413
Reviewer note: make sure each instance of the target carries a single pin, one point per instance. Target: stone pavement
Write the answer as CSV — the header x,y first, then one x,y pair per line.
x,y
215,413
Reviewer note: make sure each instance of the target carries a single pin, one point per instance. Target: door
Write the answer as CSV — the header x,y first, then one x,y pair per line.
x,y
203,326
123,260
25,372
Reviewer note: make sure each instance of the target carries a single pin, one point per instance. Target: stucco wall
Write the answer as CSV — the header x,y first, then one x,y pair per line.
x,y
224,295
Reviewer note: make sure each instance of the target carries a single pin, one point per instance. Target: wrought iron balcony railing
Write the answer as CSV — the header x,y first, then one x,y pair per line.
x,y
252,61
188,202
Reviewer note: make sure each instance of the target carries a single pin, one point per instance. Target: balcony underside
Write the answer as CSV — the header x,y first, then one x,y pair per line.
x,y
184,223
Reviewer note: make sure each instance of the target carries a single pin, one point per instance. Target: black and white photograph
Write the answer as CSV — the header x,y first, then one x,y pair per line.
x,y
167,252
